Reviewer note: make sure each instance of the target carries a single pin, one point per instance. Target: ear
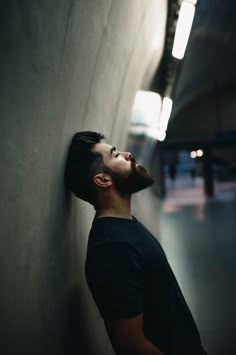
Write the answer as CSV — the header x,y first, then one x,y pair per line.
x,y
102,180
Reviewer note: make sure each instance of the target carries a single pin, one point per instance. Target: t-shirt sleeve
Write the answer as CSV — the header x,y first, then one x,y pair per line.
x,y
115,277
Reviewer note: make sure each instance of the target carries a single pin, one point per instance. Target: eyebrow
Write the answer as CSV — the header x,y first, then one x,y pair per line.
x,y
112,150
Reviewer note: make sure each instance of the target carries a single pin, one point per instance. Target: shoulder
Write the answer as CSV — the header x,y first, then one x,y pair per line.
x,y
113,229
110,229
112,255
110,237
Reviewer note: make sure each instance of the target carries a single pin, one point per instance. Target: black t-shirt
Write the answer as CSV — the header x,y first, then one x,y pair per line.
x,y
128,274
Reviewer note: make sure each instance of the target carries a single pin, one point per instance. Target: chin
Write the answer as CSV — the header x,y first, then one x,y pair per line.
x,y
140,167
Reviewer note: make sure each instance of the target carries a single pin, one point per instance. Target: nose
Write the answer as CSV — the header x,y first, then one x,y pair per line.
x,y
127,155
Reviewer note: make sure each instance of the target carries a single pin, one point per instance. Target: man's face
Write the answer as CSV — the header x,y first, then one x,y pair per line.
x,y
128,177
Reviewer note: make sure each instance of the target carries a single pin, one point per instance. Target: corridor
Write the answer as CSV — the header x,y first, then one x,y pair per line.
x,y
198,236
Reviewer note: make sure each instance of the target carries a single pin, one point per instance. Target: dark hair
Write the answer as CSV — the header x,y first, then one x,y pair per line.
x,y
82,165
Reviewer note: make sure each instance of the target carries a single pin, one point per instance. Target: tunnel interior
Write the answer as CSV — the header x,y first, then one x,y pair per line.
x,y
69,66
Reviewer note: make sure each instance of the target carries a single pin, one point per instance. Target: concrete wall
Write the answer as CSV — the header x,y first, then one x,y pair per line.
x,y
65,66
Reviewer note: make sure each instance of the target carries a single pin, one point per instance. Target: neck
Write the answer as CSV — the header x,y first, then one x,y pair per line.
x,y
115,206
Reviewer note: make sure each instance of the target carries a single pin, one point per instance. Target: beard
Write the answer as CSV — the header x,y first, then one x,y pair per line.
x,y
136,180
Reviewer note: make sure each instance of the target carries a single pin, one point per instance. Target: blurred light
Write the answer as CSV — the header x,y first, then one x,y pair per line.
x,y
167,104
199,153
152,132
193,154
146,108
165,113
161,135
150,114
155,133
183,29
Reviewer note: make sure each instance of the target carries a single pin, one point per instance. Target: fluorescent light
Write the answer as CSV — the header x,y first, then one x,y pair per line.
x,y
165,113
152,113
161,135
166,109
152,132
146,108
183,28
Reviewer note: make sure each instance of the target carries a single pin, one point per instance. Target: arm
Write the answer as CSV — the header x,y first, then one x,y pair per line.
x,y
127,337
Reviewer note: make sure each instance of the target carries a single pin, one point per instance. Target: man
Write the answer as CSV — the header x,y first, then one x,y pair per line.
x,y
126,269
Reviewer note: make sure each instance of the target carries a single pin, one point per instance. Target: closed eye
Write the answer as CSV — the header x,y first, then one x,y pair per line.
x,y
117,154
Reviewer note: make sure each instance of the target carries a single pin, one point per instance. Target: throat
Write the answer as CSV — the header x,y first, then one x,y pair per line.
x,y
114,212
114,205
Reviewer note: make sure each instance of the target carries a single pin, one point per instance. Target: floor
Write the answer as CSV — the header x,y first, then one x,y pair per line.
x,y
199,238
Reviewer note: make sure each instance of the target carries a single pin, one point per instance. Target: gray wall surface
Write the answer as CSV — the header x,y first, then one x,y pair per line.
x,y
65,66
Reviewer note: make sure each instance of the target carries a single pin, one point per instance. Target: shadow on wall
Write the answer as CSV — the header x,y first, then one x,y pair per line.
x,y
77,321
83,320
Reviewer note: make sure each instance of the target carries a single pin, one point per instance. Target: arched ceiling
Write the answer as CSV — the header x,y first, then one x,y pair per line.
x,y
205,88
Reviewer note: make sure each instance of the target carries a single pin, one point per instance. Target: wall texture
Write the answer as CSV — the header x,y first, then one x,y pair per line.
x,y
64,66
